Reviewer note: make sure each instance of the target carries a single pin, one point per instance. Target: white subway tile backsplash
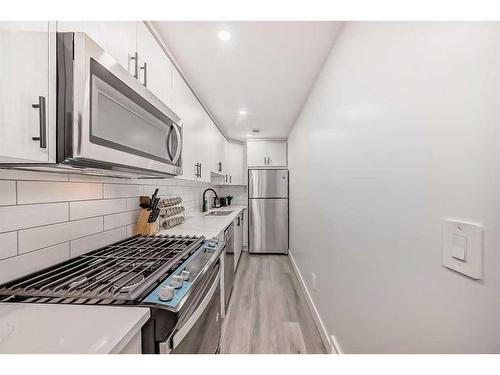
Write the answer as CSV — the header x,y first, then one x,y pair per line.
x,y
20,217
132,203
43,191
8,245
13,174
73,177
122,191
96,241
36,238
130,230
118,220
32,222
15,267
84,209
7,193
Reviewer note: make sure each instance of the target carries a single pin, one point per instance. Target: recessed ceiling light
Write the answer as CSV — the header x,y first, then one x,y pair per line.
x,y
243,112
224,35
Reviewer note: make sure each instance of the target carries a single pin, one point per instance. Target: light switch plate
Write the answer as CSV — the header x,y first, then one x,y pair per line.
x,y
463,248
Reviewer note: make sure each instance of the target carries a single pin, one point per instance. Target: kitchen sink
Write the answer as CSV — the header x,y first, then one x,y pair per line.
x,y
219,213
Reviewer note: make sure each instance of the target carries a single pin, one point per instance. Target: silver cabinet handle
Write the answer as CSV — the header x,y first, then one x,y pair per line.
x,y
145,68
265,160
270,162
135,59
230,179
42,120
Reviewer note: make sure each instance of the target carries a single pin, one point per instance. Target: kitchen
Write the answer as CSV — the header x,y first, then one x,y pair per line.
x,y
124,188
248,187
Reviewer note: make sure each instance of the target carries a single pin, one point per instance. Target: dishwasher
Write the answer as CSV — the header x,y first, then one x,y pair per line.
x,y
228,263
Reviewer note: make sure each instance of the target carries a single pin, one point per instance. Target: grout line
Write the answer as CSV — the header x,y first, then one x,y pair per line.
x,y
34,251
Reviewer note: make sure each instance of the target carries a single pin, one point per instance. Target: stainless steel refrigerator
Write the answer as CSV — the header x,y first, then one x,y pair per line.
x,y
268,211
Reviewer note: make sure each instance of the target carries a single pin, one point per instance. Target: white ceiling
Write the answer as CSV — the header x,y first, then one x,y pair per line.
x,y
266,69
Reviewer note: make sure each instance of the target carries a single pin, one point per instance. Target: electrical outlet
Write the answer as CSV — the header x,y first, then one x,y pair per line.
x,y
313,281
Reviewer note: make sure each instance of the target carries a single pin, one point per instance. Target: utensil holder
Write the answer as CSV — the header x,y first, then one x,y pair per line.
x,y
142,226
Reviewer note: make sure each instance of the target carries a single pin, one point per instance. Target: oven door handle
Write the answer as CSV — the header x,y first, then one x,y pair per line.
x,y
184,330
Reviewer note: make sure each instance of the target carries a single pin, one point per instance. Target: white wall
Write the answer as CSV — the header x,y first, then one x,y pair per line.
x,y
46,218
400,131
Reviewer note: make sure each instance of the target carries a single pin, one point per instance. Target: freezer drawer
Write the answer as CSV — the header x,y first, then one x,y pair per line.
x,y
268,226
267,183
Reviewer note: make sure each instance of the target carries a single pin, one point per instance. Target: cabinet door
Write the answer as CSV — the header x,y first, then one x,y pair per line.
x,y
95,30
28,71
235,163
276,151
266,154
115,37
155,68
256,154
185,105
120,39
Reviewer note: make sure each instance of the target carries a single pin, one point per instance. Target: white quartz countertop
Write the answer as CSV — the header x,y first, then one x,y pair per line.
x,y
48,328
209,226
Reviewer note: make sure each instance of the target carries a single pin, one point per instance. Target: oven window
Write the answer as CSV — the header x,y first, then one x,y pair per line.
x,y
124,121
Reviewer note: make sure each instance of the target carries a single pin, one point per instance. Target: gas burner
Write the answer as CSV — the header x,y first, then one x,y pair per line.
x,y
118,272
128,281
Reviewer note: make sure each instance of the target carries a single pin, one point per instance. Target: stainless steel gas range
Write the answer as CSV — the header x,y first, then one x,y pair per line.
x,y
177,277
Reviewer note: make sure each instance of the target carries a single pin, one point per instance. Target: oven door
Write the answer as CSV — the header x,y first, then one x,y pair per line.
x,y
112,117
199,328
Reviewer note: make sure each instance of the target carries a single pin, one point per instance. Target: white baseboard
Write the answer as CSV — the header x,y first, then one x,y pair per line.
x,y
330,342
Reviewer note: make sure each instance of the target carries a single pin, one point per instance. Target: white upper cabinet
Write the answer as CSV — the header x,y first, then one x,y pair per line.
x,y
186,106
28,95
155,68
27,92
266,154
118,38
235,163
121,43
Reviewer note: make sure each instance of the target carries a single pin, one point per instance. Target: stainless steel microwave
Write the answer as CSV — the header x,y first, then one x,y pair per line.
x,y
106,119
108,123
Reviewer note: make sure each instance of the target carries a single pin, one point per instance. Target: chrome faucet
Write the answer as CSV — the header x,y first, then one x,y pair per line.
x,y
205,202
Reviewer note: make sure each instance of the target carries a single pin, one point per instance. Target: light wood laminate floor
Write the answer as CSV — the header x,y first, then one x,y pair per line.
x,y
268,312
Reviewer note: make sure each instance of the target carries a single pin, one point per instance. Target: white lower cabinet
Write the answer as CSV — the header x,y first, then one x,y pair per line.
x,y
27,92
238,238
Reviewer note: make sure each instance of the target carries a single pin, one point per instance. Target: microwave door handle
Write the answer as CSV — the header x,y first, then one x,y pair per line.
x,y
168,142
179,144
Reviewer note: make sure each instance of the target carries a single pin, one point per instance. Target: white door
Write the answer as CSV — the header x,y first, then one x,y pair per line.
x,y
27,91
155,68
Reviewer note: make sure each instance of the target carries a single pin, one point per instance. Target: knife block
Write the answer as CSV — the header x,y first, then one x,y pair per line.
x,y
142,226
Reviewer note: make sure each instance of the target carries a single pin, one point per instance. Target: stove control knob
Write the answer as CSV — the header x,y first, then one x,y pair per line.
x,y
166,293
176,281
185,275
